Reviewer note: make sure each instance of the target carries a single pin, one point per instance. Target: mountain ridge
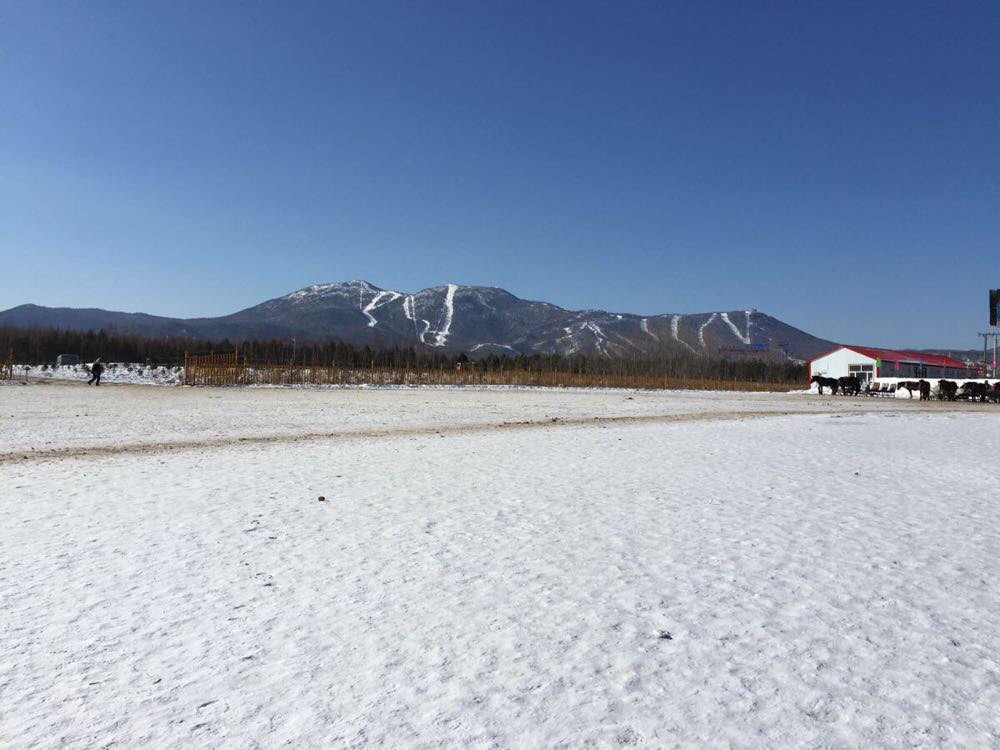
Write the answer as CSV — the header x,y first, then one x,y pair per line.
x,y
476,319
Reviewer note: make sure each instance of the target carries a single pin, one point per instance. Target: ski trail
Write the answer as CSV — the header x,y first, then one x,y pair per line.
x,y
627,340
374,303
599,338
573,348
736,331
701,330
644,325
502,346
408,311
749,337
675,323
441,336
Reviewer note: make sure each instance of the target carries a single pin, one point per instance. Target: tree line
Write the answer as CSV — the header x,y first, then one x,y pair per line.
x,y
38,346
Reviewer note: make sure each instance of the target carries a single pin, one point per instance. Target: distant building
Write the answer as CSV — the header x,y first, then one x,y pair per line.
x,y
67,359
868,363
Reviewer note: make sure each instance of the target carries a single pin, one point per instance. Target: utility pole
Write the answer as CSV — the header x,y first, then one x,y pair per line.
x,y
994,323
989,367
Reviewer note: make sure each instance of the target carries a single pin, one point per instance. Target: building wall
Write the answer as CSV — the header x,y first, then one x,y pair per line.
x,y
916,371
837,364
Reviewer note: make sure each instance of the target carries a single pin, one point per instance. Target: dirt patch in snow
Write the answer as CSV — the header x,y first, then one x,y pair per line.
x,y
166,446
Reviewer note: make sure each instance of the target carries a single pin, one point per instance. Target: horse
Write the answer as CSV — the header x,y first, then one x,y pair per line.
x,y
975,391
830,383
985,391
850,386
911,385
947,389
925,390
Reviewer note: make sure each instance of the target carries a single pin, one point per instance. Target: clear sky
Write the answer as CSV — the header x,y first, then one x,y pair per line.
x,y
833,164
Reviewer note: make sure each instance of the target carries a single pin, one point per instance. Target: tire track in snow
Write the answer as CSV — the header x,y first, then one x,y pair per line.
x,y
169,446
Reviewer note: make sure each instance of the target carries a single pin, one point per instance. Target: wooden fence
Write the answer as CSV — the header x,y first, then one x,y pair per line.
x,y
230,369
214,369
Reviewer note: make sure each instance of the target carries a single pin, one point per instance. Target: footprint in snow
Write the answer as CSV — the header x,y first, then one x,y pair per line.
x,y
628,736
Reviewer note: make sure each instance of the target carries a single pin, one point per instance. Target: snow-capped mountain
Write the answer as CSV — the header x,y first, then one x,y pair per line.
x,y
474,319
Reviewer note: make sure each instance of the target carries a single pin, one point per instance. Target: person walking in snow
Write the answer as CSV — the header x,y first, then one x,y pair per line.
x,y
95,372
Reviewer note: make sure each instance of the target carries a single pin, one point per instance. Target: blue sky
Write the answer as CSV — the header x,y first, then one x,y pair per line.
x,y
833,164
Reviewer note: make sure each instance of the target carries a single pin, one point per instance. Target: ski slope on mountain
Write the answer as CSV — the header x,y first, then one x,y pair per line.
x,y
454,317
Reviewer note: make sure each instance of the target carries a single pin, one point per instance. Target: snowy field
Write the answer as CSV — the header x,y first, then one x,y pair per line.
x,y
114,372
495,569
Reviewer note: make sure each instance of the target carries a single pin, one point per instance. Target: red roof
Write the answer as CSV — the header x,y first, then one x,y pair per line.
x,y
892,355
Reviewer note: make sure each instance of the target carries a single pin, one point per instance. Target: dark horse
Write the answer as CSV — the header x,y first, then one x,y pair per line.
x,y
917,386
850,386
830,383
975,391
947,389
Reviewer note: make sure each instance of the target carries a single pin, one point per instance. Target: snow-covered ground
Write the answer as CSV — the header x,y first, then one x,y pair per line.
x,y
114,372
651,569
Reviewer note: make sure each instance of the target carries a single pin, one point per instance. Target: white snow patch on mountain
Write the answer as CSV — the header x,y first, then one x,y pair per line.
x,y
573,348
477,347
736,331
675,323
310,291
441,336
409,310
701,329
367,309
600,339
644,325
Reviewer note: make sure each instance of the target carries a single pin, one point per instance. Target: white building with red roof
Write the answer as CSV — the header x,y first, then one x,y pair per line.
x,y
869,363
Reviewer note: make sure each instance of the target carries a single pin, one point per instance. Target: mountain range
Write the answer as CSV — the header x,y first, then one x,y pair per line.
x,y
474,319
